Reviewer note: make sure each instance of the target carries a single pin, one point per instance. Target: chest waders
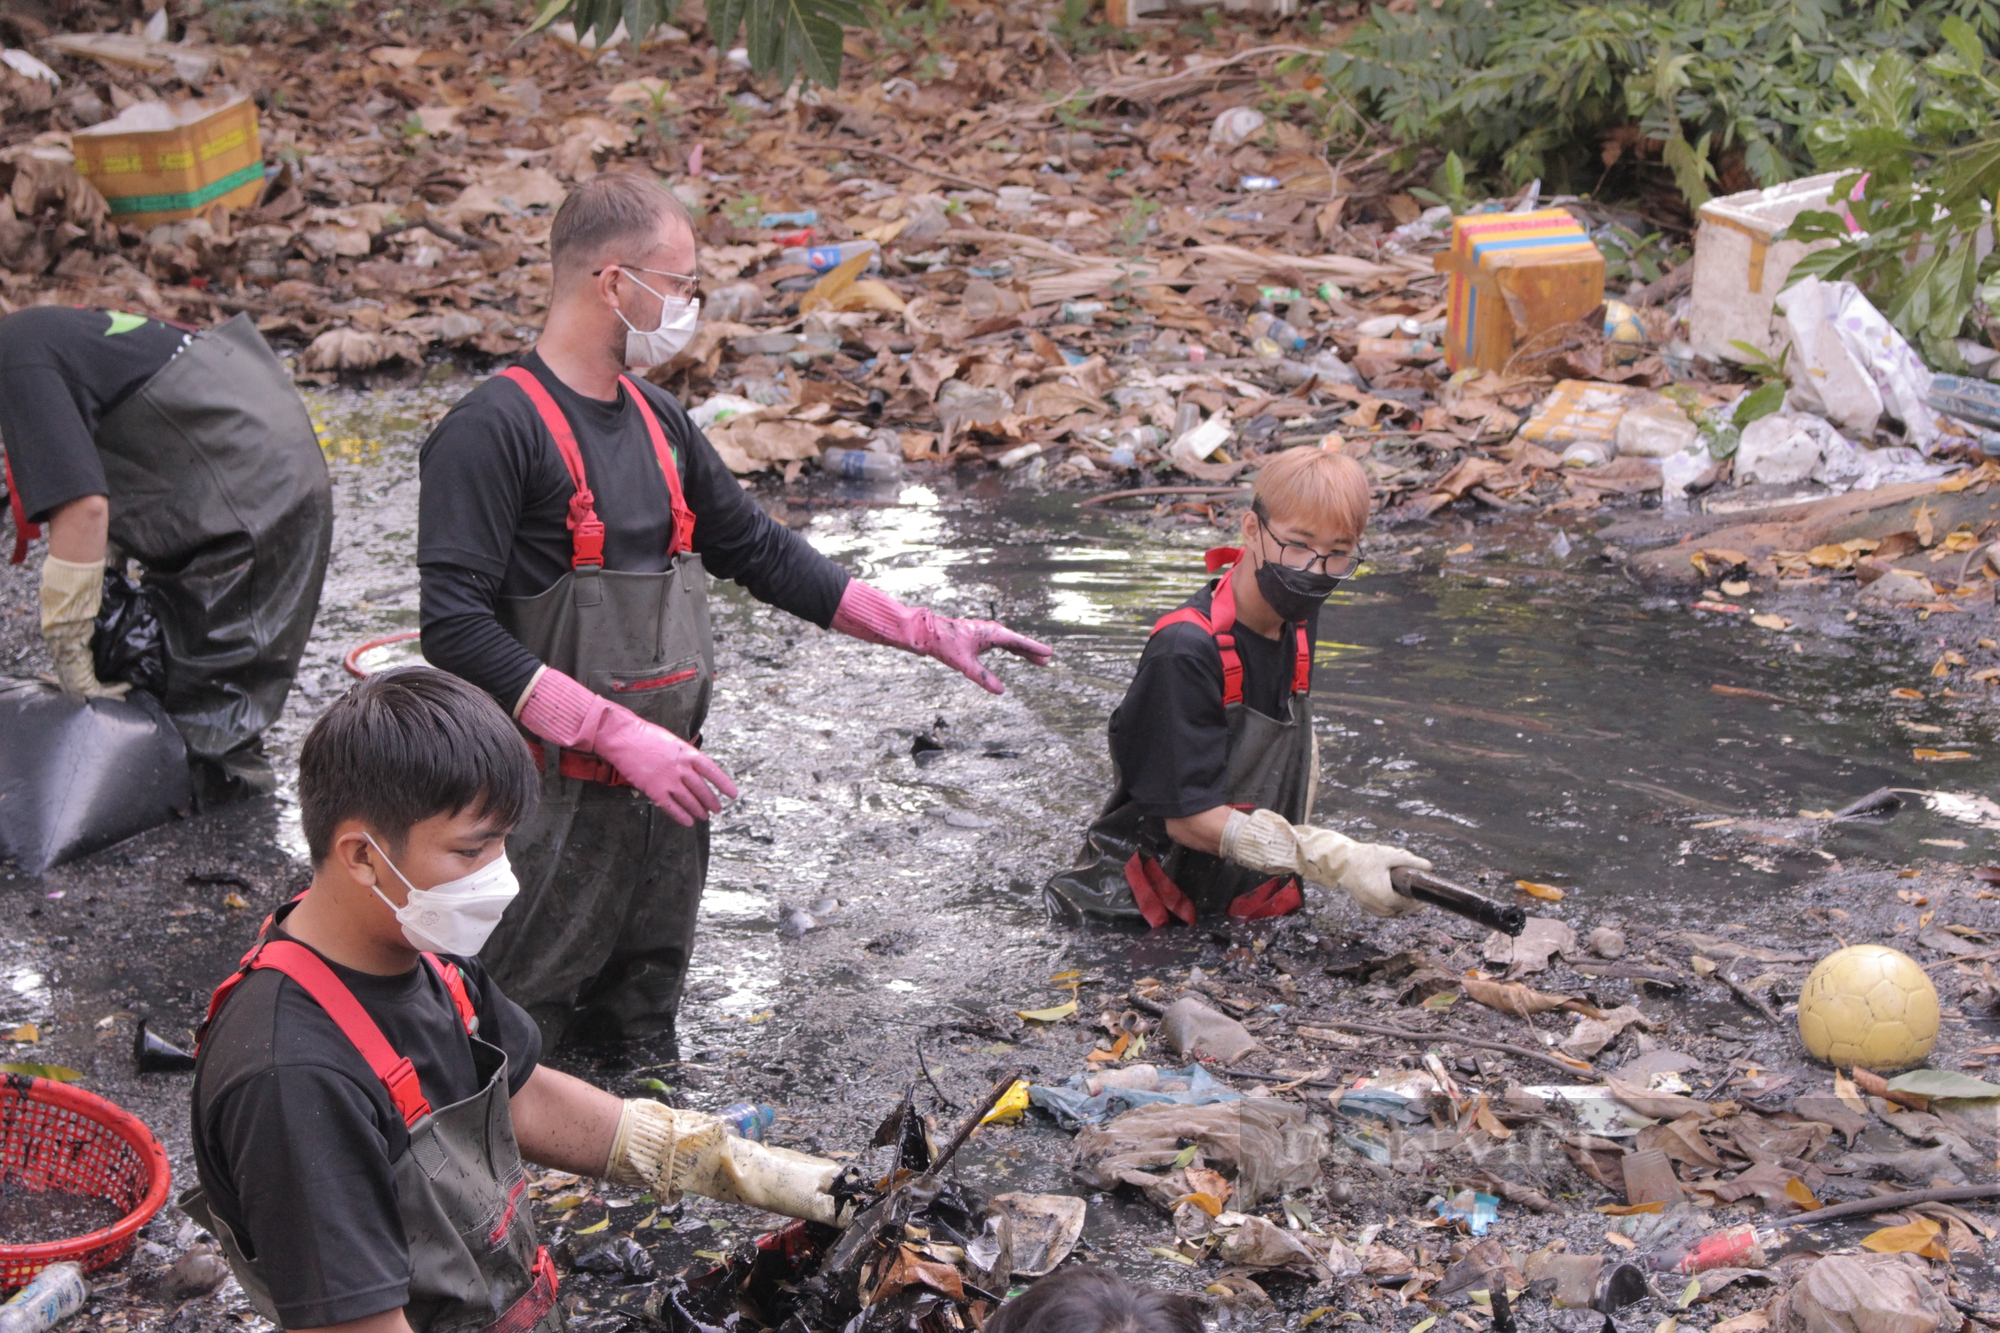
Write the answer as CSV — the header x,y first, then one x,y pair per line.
x,y
596,947
1129,869
217,485
461,1195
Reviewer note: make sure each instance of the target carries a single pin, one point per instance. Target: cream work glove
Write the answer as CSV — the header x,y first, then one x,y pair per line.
x,y
1264,840
674,1152
71,594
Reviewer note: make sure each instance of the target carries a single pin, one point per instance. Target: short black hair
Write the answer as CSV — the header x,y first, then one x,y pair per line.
x,y
1094,1300
404,746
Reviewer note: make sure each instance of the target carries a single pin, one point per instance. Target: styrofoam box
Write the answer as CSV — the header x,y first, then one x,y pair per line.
x,y
1740,266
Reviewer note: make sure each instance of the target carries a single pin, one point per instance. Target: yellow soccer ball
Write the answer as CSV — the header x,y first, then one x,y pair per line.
x,y
1871,1006
1625,332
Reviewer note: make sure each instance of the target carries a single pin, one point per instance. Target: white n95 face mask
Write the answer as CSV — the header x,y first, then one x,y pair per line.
x,y
455,917
678,317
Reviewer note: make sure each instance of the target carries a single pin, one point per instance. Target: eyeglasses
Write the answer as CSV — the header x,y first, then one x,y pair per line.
x,y
681,286
1296,555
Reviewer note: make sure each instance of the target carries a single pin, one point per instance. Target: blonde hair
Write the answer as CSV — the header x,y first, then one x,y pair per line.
x,y
1320,487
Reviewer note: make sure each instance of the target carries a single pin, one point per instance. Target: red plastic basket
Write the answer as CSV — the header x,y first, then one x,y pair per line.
x,y
53,1136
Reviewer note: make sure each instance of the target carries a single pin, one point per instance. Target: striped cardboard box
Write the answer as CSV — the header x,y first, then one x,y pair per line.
x,y
1514,275
214,156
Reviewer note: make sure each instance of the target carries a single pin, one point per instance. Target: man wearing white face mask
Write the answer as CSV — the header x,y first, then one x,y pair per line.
x,y
568,515
364,1094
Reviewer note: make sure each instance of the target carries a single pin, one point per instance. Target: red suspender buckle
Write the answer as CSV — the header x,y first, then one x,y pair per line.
x,y
585,530
1302,669
405,1090
461,999
534,1303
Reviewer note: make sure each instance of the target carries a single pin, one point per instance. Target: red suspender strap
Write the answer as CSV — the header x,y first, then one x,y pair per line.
x,y
302,965
24,531
1302,668
1159,899
1222,615
683,539
586,530
454,982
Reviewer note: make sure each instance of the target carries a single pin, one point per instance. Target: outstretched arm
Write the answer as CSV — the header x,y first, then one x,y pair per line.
x,y
873,616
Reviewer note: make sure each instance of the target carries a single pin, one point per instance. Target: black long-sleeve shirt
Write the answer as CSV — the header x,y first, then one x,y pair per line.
x,y
492,519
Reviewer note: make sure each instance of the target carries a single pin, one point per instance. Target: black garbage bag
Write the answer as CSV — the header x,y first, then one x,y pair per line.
x,y
77,775
218,487
127,643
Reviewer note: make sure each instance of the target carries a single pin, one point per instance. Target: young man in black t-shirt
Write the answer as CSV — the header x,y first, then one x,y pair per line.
x,y
62,371
1213,748
364,1094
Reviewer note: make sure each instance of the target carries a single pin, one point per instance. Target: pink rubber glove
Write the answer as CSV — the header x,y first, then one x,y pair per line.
x,y
675,774
873,616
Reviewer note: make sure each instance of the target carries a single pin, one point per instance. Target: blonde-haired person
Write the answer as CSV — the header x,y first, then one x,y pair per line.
x,y
1212,749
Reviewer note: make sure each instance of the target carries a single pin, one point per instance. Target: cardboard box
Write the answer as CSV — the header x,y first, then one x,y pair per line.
x,y
1514,275
161,162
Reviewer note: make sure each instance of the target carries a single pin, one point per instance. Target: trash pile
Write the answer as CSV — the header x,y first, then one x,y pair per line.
x,y
1111,269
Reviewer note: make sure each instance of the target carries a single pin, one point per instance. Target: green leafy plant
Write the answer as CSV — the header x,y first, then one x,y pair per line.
x,y
1927,137
1448,187
786,38
1565,92
1763,367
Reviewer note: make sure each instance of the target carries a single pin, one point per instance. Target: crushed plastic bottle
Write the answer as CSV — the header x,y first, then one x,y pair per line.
x,y
804,218
1279,295
57,1292
826,258
1736,1247
1259,183
861,465
749,1120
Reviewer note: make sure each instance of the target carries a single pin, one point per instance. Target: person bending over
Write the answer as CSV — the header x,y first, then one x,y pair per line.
x,y
364,1094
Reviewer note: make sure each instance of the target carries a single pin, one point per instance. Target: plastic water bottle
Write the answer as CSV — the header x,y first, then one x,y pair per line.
x,y
748,1120
57,1292
1264,324
1132,441
826,258
861,465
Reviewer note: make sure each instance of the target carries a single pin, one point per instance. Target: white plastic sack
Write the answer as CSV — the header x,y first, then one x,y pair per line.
x,y
1850,365
1783,449
1681,470
1654,430
1847,468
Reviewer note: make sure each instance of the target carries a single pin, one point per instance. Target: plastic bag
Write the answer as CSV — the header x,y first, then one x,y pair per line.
x,y
1272,1145
1864,1293
127,643
1191,1029
77,775
1074,1105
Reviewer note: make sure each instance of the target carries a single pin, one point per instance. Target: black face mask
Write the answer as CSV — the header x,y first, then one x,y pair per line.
x,y
1294,593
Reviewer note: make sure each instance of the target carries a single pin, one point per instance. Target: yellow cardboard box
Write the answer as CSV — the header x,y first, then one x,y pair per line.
x,y
160,162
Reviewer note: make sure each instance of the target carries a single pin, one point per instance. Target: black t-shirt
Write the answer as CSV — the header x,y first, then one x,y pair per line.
x,y
62,370
1170,736
493,519
296,1140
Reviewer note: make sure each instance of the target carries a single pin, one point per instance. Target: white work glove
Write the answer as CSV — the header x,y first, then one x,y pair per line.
x,y
674,1152
1264,840
71,594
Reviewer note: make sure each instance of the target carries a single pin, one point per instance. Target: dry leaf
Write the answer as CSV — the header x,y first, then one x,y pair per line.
x,y
1920,1237
1546,892
1512,997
